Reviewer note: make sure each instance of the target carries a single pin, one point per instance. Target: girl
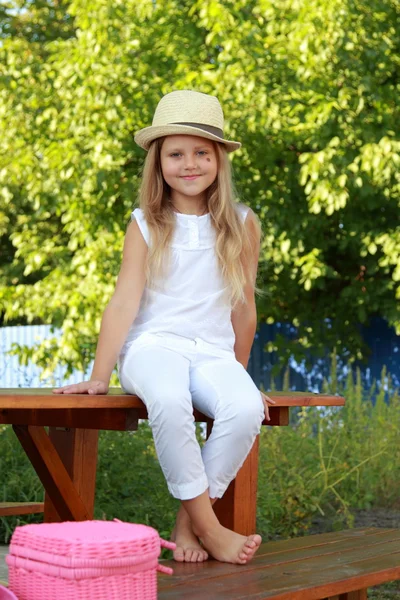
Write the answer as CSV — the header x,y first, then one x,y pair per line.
x,y
182,319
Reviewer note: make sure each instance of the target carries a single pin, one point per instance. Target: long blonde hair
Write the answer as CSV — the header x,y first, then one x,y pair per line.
x,y
233,244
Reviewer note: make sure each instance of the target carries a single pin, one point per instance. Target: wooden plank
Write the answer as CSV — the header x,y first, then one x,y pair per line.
x,y
117,419
327,543
321,577
237,508
8,509
41,398
77,449
285,552
259,588
45,400
52,472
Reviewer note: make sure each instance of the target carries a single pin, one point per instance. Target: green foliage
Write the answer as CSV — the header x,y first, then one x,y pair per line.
x,y
331,460
327,462
309,87
130,481
388,591
19,482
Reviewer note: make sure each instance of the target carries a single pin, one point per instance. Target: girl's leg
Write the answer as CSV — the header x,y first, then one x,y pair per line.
x,y
223,544
160,377
188,547
223,390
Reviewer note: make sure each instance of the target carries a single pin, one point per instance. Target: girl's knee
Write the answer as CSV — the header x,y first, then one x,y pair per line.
x,y
245,414
252,415
169,407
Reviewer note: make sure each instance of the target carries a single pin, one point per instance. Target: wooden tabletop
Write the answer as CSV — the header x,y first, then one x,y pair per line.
x,y
44,398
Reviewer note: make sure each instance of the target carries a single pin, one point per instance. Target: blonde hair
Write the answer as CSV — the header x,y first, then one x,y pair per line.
x,y
233,244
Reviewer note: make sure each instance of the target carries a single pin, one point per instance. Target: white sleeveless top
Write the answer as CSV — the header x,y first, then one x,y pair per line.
x,y
192,300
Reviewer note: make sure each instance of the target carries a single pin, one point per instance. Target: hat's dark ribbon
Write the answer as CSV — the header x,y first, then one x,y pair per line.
x,y
209,128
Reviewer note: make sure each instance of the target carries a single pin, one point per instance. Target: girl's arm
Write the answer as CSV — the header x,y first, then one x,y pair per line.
x,y
123,307
244,317
118,315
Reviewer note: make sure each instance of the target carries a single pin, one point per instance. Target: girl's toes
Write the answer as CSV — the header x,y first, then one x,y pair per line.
x,y
179,554
253,542
188,555
249,546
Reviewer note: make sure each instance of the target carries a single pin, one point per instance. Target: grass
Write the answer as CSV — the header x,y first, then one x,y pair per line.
x,y
388,591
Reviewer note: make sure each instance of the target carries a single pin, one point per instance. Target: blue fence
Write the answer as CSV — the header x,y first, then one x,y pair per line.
x,y
12,374
381,339
384,344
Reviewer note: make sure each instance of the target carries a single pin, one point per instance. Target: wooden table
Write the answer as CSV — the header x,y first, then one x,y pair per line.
x,y
65,459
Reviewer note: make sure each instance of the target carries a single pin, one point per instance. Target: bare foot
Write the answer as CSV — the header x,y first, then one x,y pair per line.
x,y
227,546
188,547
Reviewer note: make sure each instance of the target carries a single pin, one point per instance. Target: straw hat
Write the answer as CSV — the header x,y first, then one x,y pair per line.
x,y
188,113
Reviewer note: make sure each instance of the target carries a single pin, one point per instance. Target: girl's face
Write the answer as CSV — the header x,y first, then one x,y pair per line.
x,y
188,164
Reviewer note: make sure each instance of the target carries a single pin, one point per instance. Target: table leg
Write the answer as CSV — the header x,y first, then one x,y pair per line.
x,y
237,508
52,472
77,449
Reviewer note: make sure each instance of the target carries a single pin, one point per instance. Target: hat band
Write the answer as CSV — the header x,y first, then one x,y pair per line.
x,y
209,128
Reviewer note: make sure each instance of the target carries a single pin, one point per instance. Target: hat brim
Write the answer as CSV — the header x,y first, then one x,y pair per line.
x,y
145,136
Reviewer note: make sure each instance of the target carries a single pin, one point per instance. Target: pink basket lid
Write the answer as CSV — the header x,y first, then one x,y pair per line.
x,y
87,543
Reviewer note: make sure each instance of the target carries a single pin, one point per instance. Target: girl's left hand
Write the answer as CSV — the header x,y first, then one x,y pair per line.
x,y
267,401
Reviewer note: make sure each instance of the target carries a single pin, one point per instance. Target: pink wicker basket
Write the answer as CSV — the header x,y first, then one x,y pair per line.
x,y
5,594
87,560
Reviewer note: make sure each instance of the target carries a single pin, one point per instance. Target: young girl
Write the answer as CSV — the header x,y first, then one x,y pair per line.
x,y
182,318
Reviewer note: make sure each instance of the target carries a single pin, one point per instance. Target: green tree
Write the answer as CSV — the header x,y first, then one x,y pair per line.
x,y
310,89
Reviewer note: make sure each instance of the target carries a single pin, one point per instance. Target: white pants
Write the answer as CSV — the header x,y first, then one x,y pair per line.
x,y
173,374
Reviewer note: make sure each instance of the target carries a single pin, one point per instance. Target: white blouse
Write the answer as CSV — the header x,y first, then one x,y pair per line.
x,y
192,300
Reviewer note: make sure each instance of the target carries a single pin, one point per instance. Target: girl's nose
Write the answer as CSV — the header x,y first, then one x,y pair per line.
x,y
190,162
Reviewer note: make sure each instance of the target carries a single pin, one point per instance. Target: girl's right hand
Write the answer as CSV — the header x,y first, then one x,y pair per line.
x,y
86,387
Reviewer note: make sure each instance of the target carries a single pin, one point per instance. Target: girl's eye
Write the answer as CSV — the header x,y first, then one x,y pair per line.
x,y
201,152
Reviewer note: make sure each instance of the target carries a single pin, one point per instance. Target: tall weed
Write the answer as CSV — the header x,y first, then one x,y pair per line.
x,y
18,481
331,460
